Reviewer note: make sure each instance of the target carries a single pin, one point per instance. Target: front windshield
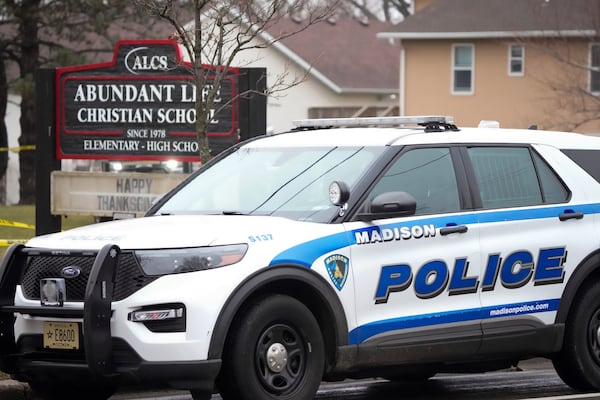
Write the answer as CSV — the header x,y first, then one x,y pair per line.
x,y
287,182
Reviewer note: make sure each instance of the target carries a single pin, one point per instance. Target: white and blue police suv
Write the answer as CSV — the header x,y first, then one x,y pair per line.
x,y
382,247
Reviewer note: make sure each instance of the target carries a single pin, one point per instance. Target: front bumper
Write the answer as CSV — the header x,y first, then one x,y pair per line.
x,y
100,356
33,363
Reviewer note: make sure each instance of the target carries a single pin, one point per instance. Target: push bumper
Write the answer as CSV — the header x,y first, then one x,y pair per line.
x,y
101,356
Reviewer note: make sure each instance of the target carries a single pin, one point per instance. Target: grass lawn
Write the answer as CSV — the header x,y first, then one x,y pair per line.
x,y
26,215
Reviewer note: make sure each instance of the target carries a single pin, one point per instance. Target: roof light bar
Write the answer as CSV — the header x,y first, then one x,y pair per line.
x,y
373,121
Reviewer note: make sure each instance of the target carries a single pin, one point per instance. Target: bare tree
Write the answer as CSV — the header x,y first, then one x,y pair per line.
x,y
573,84
36,33
214,32
564,60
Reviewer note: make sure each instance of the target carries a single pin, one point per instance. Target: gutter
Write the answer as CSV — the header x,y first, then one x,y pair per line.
x,y
488,34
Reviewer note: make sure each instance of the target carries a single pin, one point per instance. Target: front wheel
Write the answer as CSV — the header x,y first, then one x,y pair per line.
x,y
578,363
276,351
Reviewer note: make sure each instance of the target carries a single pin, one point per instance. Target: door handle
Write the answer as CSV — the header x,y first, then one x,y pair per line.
x,y
569,214
453,229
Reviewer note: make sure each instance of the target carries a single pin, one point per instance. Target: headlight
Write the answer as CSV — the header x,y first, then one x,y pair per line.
x,y
175,261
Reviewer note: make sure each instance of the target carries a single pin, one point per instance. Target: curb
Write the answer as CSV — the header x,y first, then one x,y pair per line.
x,y
14,390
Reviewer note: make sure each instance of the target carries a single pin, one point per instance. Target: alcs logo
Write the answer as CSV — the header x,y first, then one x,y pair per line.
x,y
140,59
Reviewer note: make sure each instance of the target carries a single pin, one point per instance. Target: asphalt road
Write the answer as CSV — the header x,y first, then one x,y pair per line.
x,y
534,379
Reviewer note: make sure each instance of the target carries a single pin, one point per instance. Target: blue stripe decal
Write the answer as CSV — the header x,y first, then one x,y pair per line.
x,y
364,332
306,253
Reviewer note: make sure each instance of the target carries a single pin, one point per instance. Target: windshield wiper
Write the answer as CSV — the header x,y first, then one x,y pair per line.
x,y
228,212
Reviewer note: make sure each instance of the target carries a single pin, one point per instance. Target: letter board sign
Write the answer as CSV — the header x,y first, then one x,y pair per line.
x,y
141,105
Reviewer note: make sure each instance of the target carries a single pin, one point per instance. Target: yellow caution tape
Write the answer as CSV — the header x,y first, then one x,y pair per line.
x,y
8,242
16,224
18,149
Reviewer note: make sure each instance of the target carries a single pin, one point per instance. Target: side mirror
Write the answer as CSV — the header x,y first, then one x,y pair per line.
x,y
390,205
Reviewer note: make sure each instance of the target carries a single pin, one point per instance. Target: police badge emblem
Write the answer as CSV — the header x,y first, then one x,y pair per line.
x,y
337,267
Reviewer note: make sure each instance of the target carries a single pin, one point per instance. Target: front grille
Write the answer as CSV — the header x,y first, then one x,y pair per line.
x,y
129,279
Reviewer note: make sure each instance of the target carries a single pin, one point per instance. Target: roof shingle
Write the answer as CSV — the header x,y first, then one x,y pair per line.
x,y
346,52
500,18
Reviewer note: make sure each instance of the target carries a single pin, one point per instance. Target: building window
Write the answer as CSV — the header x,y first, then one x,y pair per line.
x,y
595,68
516,60
462,68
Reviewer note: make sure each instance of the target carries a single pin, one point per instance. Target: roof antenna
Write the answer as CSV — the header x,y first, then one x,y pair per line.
x,y
533,127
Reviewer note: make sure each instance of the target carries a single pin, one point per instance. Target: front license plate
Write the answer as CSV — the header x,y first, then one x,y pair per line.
x,y
61,335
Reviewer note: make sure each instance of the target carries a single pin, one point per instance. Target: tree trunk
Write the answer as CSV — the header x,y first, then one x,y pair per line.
x,y
3,129
28,30
200,78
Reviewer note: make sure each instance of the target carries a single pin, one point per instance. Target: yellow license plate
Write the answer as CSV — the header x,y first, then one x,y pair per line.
x,y
61,335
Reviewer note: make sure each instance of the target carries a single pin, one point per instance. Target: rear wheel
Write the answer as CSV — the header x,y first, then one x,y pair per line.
x,y
578,363
275,352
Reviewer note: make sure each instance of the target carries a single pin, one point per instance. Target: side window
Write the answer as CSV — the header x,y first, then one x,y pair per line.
x,y
553,189
428,175
508,177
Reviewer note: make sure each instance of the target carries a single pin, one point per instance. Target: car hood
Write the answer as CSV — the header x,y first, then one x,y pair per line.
x,y
161,232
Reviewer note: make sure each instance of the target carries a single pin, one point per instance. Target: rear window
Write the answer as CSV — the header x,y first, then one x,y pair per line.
x,y
586,159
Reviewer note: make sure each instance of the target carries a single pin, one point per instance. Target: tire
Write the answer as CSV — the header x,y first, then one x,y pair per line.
x,y
71,390
578,363
282,329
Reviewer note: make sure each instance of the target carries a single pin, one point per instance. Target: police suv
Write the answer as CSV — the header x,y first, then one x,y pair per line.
x,y
377,247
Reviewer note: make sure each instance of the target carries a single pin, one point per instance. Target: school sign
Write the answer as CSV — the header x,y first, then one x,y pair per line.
x,y
141,105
